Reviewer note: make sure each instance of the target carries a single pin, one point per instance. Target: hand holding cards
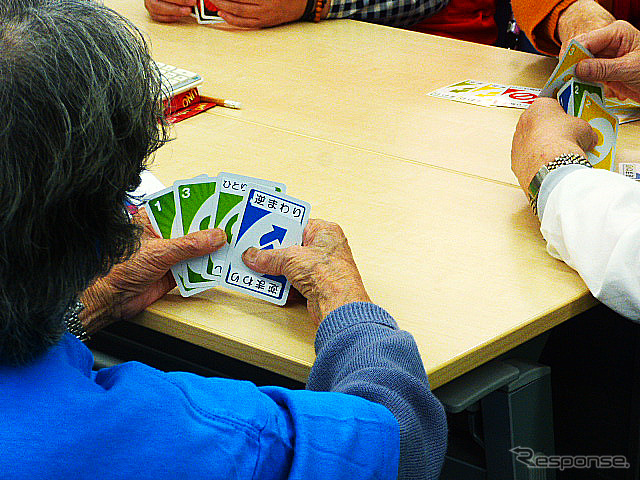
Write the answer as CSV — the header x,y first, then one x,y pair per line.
x,y
252,212
584,100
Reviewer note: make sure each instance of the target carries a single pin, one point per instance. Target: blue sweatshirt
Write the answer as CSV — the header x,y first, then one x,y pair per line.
x,y
61,420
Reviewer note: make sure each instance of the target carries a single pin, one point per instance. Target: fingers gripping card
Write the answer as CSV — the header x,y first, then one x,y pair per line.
x,y
232,189
565,69
605,125
161,208
194,207
269,220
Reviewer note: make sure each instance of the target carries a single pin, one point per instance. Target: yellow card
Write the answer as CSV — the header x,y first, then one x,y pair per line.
x,y
605,125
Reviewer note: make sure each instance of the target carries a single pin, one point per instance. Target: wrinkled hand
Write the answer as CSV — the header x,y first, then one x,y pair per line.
x,y
581,17
132,286
617,63
323,269
260,13
544,132
169,10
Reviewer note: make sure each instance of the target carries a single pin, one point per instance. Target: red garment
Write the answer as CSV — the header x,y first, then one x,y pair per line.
x,y
538,19
471,20
627,10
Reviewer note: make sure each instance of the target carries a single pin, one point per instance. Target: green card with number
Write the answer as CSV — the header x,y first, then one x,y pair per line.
x,y
232,189
195,203
161,209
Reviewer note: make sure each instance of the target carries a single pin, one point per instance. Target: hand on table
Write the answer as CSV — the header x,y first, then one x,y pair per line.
x,y
169,10
260,13
323,269
617,63
544,132
132,286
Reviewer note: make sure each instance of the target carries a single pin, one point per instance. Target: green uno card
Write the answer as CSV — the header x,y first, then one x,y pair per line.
x,y
195,204
579,88
231,192
161,209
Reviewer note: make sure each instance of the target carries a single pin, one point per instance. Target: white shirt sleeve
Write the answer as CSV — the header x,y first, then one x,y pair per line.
x,y
591,221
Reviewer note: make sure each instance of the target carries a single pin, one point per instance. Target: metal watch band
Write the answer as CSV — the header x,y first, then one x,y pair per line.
x,y
73,323
559,161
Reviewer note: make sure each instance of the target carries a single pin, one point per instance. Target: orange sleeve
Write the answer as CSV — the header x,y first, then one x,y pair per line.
x,y
538,20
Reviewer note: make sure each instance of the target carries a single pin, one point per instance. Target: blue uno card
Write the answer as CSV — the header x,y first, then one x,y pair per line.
x,y
565,96
269,220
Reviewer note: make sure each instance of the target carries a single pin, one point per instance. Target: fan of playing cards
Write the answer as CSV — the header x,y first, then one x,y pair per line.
x,y
584,100
252,212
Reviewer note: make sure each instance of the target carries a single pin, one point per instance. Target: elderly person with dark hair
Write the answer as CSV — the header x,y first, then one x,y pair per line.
x,y
80,98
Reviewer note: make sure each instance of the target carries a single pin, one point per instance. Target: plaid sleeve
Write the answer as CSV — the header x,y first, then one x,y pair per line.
x,y
395,13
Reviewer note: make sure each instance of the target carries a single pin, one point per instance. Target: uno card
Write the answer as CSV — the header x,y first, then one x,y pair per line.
x,y
579,89
605,125
516,97
565,69
194,199
455,90
631,170
565,98
483,95
209,12
161,209
269,220
231,192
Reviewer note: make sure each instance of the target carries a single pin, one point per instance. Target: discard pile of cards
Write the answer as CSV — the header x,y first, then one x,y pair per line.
x,y
205,12
488,94
495,95
252,212
584,100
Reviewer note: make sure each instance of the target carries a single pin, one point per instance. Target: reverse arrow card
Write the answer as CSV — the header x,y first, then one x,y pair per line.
x,y
269,220
231,192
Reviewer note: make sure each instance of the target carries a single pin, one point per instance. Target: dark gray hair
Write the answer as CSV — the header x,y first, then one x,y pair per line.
x,y
81,106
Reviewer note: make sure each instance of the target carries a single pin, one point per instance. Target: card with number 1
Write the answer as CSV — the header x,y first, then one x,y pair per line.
x,y
161,209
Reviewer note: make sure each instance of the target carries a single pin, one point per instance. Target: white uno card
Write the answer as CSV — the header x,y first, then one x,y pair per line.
x,y
631,170
517,97
269,220
483,95
452,91
229,199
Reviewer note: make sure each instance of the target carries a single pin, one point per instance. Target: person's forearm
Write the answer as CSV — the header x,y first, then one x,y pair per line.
x,y
591,221
361,351
395,13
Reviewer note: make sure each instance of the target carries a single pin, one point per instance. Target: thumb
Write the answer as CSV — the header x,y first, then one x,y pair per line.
x,y
604,70
272,262
196,244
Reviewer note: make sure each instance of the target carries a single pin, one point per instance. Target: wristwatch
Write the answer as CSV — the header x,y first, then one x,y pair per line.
x,y
536,181
74,325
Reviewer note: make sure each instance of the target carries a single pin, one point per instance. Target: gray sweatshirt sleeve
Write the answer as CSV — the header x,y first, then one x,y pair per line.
x,y
361,351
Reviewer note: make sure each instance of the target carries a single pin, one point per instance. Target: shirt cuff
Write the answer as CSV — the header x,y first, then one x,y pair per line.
x,y
549,183
349,315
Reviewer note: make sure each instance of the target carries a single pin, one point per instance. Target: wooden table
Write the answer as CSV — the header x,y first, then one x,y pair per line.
x,y
422,186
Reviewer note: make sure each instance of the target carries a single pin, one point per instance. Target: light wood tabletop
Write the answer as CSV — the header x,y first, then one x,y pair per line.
x,y
338,111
